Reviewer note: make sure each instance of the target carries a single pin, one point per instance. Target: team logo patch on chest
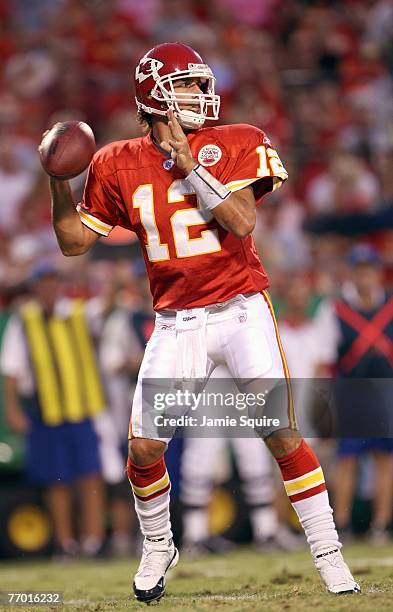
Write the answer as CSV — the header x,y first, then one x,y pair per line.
x,y
209,155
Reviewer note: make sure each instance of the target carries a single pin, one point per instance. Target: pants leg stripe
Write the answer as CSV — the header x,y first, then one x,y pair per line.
x,y
291,410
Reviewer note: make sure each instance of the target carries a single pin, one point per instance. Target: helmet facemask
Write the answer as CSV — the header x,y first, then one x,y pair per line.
x,y
207,103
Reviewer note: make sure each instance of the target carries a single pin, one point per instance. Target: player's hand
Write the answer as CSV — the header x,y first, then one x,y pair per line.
x,y
42,138
177,146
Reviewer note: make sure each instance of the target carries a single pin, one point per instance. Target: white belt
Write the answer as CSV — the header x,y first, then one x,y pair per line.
x,y
191,344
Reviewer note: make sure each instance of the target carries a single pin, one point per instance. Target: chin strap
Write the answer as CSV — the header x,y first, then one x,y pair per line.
x,y
189,120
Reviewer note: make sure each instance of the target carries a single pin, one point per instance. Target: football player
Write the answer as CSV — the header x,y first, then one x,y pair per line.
x,y
189,190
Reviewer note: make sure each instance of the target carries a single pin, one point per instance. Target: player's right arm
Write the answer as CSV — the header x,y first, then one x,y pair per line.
x,y
73,236
79,227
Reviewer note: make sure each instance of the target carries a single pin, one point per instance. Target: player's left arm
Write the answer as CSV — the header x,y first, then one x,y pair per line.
x,y
235,211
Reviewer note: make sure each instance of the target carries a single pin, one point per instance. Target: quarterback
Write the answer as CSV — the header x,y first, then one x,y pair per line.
x,y
189,190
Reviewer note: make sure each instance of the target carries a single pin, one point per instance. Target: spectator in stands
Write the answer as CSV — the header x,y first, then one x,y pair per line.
x,y
347,186
16,180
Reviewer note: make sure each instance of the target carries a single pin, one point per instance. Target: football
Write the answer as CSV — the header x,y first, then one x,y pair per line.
x,y
67,149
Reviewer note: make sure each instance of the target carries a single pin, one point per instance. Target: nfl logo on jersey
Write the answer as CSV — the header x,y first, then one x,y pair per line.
x,y
168,164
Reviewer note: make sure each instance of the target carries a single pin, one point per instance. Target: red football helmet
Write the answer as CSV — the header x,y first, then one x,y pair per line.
x,y
158,71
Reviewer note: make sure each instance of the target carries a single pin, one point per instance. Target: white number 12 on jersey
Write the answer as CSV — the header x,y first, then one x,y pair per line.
x,y
181,221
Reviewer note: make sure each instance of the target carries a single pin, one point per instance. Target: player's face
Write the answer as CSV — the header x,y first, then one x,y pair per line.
x,y
193,86
190,86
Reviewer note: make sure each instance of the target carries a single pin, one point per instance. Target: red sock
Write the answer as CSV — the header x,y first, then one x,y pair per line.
x,y
302,473
148,481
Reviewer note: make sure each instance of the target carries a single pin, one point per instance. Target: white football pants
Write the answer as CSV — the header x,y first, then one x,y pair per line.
x,y
241,334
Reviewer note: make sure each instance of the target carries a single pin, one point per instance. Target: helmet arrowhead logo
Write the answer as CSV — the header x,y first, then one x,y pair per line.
x,y
147,67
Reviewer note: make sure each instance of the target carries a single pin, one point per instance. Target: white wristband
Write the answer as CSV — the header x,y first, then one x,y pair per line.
x,y
210,191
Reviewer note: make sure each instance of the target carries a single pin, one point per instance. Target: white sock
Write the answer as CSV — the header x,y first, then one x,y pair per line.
x,y
154,518
316,517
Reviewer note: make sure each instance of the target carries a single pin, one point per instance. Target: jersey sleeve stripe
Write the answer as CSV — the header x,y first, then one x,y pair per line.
x,y
277,182
95,224
236,185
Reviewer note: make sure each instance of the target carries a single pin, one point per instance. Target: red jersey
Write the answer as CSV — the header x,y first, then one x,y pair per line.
x,y
191,260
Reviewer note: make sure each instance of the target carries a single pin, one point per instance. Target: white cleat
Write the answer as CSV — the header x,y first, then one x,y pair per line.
x,y
158,556
335,573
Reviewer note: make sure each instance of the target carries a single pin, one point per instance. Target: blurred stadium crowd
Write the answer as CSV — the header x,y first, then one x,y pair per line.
x,y
316,76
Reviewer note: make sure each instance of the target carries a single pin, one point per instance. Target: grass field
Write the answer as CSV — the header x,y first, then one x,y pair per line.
x,y
243,580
